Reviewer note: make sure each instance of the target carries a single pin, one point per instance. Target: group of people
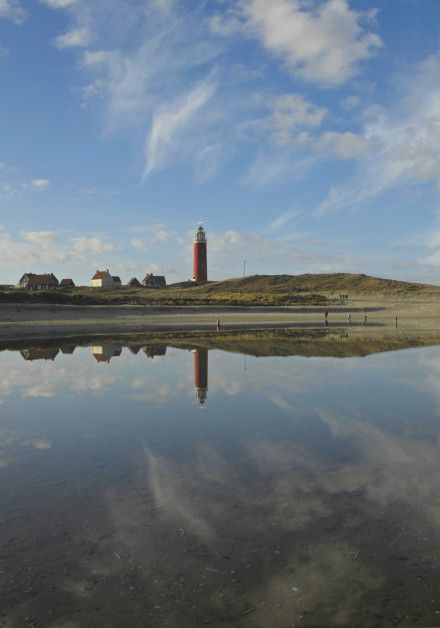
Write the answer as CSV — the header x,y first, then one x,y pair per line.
x,y
349,318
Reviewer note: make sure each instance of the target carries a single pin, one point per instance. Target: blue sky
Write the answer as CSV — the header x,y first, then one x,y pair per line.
x,y
304,134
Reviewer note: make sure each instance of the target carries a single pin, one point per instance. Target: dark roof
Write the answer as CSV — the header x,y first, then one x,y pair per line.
x,y
67,283
115,278
134,282
154,279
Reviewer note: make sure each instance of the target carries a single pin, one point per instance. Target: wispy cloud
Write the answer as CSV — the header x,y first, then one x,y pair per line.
x,y
406,139
12,10
76,38
171,122
59,4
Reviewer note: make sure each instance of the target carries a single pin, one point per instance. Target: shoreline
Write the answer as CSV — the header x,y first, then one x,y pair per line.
x,y
38,321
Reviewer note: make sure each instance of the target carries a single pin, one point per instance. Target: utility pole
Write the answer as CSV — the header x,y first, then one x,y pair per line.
x,y
244,268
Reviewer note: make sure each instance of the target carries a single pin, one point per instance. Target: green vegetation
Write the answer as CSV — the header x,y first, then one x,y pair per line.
x,y
283,342
263,290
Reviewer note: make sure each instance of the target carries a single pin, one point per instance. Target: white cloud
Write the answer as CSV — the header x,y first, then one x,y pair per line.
x,y
406,140
170,122
291,112
12,10
283,219
322,44
96,244
344,145
137,243
274,168
164,5
40,238
39,184
59,4
350,102
76,38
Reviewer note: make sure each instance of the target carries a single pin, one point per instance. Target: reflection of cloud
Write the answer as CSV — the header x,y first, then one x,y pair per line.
x,y
153,391
43,379
169,490
41,443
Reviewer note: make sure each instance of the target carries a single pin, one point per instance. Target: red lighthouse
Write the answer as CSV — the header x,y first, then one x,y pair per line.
x,y
201,374
200,256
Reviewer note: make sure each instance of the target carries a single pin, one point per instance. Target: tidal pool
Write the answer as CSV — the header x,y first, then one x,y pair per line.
x,y
146,485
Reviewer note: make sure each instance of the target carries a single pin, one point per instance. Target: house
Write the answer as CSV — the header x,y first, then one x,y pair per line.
x,y
117,283
40,353
154,281
134,283
103,279
30,281
67,349
104,353
152,351
67,283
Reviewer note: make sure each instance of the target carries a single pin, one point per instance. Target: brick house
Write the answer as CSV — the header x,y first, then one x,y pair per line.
x,y
31,281
154,281
67,283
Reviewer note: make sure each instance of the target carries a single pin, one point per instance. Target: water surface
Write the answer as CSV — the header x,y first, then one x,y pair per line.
x,y
137,489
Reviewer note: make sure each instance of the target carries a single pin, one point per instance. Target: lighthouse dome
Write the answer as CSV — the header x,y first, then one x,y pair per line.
x,y
200,234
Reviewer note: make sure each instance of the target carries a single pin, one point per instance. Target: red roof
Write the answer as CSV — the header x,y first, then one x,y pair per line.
x,y
100,274
48,279
101,358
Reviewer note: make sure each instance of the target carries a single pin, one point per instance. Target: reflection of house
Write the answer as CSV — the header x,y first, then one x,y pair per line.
x,y
68,349
30,281
104,353
40,353
103,279
154,281
134,349
67,283
134,283
152,350
201,374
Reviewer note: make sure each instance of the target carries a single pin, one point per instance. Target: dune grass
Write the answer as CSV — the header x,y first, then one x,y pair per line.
x,y
256,290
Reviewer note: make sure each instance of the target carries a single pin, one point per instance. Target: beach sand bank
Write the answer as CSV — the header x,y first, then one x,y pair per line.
x,y
22,321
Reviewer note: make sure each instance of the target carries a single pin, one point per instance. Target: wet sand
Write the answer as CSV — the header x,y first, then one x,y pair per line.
x,y
22,321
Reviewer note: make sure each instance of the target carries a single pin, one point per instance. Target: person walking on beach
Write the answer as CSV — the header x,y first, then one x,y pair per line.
x,y
365,319
395,321
349,319
326,317
218,324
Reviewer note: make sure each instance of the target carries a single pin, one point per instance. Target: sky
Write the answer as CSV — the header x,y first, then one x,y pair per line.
x,y
304,134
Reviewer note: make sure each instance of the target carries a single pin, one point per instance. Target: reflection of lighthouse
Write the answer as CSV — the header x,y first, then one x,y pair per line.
x,y
201,374
200,256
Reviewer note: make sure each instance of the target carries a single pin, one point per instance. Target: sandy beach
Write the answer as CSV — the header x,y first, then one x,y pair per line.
x,y
22,321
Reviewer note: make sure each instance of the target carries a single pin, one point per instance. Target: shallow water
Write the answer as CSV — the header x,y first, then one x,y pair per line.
x,y
136,490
